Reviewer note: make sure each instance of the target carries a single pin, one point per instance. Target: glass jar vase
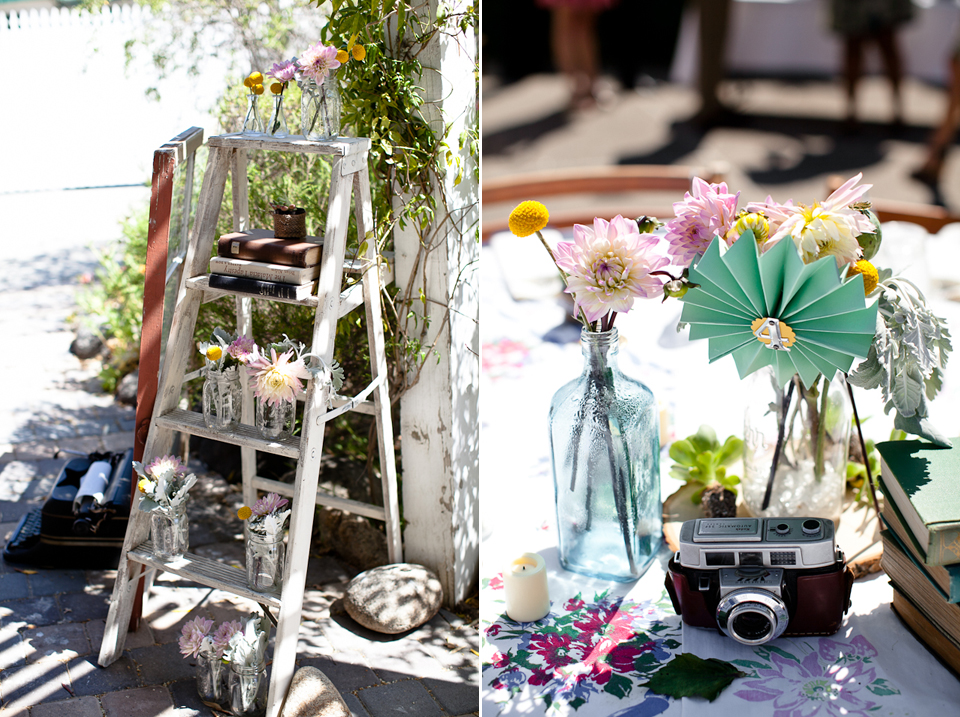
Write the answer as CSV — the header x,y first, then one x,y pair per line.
x,y
170,532
222,398
252,121
264,561
320,108
274,420
605,446
277,126
212,679
796,442
248,690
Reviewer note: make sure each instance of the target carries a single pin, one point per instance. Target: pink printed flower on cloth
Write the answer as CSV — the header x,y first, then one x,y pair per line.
x,y
193,634
608,266
708,211
277,379
269,503
282,71
317,62
827,228
165,464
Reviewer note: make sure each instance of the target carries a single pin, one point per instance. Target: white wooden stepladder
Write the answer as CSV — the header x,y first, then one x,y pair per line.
x,y
228,154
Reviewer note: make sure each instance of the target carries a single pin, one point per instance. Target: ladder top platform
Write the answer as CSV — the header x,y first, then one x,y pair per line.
x,y
341,146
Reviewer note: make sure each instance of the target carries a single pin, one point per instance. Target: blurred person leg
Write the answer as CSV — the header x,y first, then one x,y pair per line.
x,y
852,72
714,20
893,64
942,138
573,38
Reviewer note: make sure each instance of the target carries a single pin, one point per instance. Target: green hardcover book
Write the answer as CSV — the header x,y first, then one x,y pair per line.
x,y
921,480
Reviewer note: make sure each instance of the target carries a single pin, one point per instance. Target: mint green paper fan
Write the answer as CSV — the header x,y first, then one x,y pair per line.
x,y
771,309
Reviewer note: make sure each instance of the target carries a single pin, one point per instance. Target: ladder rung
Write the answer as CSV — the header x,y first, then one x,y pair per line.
x,y
202,283
350,506
367,407
192,422
206,572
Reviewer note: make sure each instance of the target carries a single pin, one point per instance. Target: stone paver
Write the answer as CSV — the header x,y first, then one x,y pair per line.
x,y
401,698
28,685
456,696
77,707
55,642
33,611
142,702
162,663
88,678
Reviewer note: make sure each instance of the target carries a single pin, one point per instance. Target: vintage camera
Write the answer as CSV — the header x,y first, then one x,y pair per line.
x,y
756,579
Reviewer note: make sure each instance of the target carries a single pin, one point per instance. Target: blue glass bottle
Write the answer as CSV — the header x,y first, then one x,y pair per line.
x,y
605,446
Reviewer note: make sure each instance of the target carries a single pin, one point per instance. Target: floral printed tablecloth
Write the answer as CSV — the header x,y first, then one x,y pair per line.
x,y
595,650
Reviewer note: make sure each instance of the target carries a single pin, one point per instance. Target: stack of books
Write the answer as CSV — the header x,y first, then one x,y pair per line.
x,y
256,262
921,542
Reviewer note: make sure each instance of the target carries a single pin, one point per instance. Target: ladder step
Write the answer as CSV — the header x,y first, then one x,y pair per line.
x,y
346,504
206,572
350,299
192,422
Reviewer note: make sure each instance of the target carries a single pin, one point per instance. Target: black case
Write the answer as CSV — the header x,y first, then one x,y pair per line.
x,y
53,536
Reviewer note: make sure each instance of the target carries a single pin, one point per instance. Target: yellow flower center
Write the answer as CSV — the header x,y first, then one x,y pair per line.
x,y
752,220
527,218
869,273
244,513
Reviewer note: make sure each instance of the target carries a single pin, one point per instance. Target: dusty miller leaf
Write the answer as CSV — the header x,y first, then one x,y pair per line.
x,y
870,373
687,675
921,426
907,389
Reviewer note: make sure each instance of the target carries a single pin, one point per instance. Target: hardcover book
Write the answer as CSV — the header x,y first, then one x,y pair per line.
x,y
946,576
267,289
260,245
920,479
926,631
263,271
912,580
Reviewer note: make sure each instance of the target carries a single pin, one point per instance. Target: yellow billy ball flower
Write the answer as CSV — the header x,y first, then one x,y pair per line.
x,y
256,78
359,52
214,353
527,218
142,485
257,89
276,88
244,513
248,82
869,273
342,56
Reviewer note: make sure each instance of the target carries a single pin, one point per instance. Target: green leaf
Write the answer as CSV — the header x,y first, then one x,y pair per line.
x,y
148,504
921,427
683,452
882,688
687,675
731,450
907,389
705,439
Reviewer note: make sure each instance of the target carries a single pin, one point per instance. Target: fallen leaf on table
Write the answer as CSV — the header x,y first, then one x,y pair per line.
x,y
690,676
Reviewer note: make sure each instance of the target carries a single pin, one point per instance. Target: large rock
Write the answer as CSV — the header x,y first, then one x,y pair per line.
x,y
353,538
393,598
127,390
86,345
312,694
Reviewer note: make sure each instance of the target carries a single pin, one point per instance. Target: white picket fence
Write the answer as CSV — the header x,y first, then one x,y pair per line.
x,y
75,114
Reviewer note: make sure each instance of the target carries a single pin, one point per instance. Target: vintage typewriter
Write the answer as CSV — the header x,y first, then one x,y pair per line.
x,y
83,521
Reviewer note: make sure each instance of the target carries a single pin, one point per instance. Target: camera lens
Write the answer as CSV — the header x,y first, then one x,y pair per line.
x,y
752,624
752,617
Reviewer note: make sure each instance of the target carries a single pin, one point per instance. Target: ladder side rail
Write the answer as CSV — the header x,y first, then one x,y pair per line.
x,y
168,394
378,363
311,445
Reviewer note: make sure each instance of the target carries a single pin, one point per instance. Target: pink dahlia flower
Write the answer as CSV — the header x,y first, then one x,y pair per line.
x,y
609,265
269,503
828,228
708,211
164,464
277,379
282,71
221,638
241,349
317,62
193,634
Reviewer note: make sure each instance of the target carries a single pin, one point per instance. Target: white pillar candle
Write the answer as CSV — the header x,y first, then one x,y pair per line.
x,y
525,585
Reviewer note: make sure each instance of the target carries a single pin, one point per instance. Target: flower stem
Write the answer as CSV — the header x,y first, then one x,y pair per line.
x,y
781,419
863,448
563,275
821,431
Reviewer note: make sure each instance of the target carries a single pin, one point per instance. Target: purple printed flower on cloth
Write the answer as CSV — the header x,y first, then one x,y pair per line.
x,y
803,687
270,503
317,62
193,634
709,210
608,266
